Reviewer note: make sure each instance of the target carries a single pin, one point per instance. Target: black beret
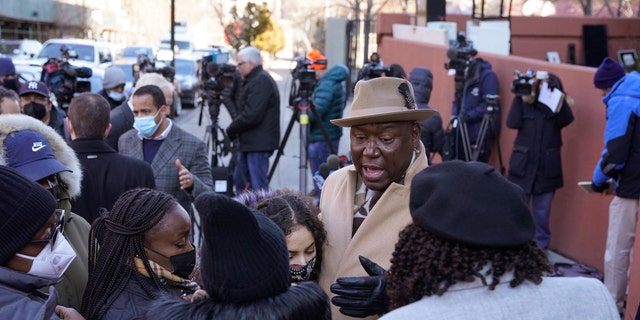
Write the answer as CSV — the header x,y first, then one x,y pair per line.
x,y
471,203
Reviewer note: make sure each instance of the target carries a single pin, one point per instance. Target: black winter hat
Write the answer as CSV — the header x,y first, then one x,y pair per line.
x,y
244,254
25,207
471,203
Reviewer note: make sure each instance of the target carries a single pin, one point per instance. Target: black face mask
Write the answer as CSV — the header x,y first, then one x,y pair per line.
x,y
36,110
10,83
299,273
183,263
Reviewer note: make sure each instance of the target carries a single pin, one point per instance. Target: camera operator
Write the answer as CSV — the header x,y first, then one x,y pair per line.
x,y
329,98
113,84
257,125
35,101
535,164
61,77
374,68
480,84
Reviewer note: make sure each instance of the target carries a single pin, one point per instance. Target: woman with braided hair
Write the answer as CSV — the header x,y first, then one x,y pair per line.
x,y
137,252
474,257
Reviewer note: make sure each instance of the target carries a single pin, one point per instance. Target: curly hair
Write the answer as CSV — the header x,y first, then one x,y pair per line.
x,y
115,240
424,264
290,210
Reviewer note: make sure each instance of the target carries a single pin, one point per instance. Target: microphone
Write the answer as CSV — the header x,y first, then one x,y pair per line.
x,y
452,53
333,163
323,170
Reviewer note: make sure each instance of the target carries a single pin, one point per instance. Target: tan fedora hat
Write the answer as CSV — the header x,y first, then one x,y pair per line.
x,y
383,100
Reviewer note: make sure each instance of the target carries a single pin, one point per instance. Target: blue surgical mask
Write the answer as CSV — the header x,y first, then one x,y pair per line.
x,y
147,126
116,96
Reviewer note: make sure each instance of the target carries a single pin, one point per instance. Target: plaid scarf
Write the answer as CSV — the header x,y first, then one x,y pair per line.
x,y
165,276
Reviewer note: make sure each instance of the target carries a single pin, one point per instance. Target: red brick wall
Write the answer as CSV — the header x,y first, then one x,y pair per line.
x,y
578,220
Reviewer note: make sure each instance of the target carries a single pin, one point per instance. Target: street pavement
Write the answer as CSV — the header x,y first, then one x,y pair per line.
x,y
287,171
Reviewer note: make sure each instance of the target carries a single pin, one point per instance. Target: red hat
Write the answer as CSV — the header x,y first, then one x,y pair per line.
x,y
318,60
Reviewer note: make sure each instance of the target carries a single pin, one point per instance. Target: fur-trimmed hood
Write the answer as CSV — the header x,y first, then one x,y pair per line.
x,y
62,151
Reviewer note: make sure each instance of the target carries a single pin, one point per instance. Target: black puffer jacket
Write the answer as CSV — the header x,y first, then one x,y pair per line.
x,y
134,301
258,122
535,164
432,134
305,301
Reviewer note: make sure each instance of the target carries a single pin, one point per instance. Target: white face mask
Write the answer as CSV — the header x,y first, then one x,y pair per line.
x,y
52,263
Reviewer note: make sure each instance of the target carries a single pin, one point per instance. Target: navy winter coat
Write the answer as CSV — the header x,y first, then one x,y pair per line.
x,y
535,164
432,134
481,81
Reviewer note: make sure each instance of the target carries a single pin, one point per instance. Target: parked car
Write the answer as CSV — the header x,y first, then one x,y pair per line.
x,y
132,52
188,76
90,53
20,49
83,53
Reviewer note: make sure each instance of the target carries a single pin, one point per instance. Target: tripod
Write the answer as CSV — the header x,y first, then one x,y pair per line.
x,y
301,110
219,146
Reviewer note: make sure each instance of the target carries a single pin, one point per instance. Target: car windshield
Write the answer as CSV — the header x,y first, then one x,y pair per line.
x,y
133,52
183,45
52,50
185,67
7,48
128,71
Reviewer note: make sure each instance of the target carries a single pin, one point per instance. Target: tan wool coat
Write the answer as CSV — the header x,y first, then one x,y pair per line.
x,y
376,237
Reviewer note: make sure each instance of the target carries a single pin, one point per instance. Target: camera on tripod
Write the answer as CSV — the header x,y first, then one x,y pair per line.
x,y
373,68
460,54
522,84
145,64
492,101
305,75
61,77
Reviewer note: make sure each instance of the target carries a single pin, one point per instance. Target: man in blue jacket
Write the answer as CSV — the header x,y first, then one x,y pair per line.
x,y
329,99
619,164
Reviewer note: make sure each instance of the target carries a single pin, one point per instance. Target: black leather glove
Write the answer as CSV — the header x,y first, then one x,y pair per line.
x,y
600,188
362,296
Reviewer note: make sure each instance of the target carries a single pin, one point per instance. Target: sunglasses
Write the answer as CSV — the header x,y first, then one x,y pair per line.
x,y
58,227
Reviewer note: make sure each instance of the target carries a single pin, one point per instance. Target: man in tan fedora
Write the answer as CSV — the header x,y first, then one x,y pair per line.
x,y
365,205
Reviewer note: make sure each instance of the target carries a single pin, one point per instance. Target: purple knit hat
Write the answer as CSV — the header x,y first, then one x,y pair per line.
x,y
608,73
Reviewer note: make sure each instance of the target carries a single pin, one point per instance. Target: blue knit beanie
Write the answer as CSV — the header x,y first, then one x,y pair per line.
x,y
6,66
608,73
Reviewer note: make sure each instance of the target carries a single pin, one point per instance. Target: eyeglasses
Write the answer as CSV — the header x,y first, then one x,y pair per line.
x,y
58,228
241,63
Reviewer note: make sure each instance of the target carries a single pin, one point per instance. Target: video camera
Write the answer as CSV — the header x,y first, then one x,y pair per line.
x,y
306,77
460,54
373,68
62,78
216,74
145,64
522,84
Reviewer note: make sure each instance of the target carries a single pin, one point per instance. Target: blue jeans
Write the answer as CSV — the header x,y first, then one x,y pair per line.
x,y
541,209
318,153
255,169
